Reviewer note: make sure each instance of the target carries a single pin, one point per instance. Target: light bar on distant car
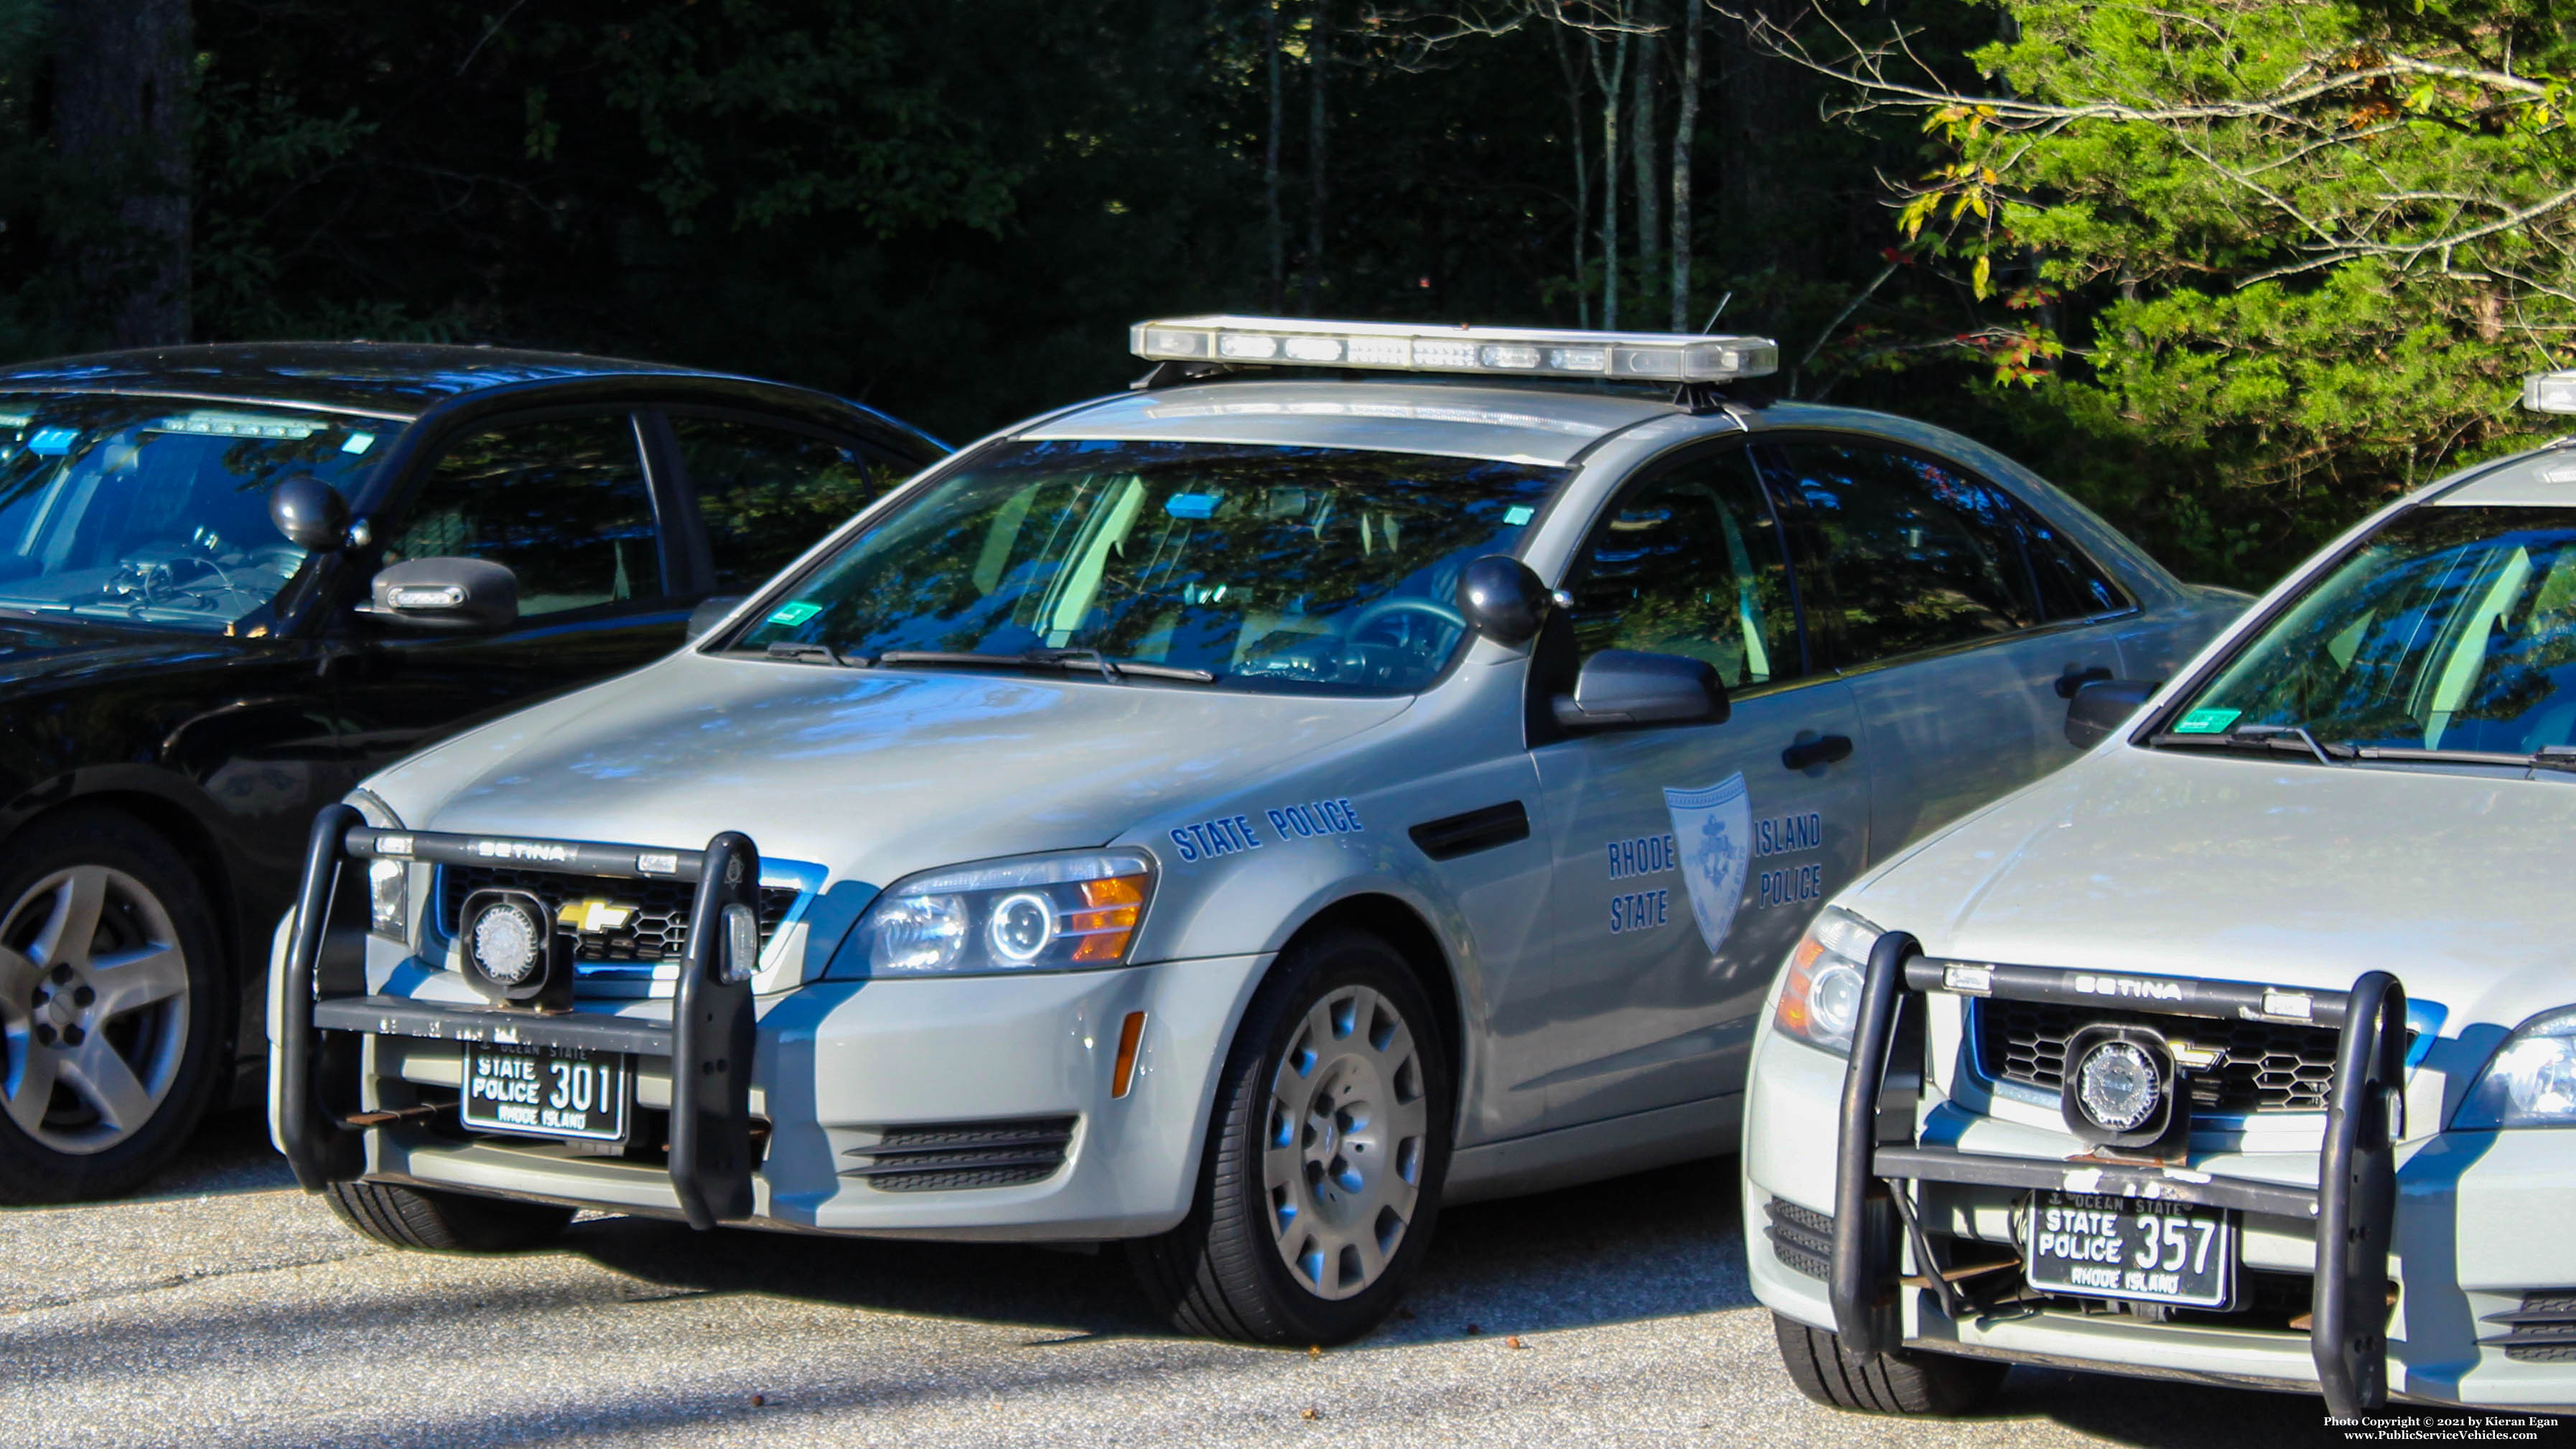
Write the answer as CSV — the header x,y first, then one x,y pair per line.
x,y
2551,392
1507,351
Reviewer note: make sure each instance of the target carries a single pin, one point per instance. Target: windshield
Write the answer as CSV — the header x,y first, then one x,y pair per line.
x,y
152,511
1268,567
2452,629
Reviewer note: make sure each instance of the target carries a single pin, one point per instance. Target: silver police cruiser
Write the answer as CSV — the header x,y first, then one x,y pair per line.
x,y
1234,817
2240,1051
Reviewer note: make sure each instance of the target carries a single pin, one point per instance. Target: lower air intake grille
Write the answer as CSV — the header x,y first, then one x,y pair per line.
x,y
658,931
946,1156
1802,1238
2270,1067
2542,1331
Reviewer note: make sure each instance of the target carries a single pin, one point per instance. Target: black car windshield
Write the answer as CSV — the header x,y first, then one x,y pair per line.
x,y
1270,568
154,511
2452,629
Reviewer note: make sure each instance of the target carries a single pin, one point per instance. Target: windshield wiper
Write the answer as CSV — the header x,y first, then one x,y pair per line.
x,y
2548,757
1110,669
818,653
2270,739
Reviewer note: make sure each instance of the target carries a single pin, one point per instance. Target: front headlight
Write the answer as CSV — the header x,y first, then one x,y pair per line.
x,y
389,898
1072,912
2531,1079
1820,992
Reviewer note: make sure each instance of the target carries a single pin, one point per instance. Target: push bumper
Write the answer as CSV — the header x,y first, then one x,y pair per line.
x,y
967,1108
1882,1162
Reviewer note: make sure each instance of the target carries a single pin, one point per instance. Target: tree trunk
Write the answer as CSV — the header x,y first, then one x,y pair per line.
x,y
1572,69
1641,119
1319,58
1611,82
1684,125
120,119
1270,160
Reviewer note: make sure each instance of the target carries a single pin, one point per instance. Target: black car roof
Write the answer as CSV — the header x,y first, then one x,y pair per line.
x,y
395,379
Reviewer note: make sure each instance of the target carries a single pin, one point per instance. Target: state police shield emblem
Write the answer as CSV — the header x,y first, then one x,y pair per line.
x,y
1713,833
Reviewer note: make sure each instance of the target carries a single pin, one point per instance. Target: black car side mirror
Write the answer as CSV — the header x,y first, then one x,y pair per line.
x,y
711,612
446,593
1621,688
1503,600
2104,705
311,513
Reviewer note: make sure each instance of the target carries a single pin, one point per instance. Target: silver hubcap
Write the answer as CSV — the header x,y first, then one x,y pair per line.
x,y
1342,1163
93,1009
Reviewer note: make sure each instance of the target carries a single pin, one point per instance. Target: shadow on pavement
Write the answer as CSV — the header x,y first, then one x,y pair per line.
x,y
229,1153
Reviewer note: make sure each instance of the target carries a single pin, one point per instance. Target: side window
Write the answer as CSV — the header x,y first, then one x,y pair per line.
x,y
768,494
562,502
1919,555
1690,562
2070,585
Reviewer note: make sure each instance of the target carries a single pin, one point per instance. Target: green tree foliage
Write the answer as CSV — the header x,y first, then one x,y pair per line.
x,y
2263,264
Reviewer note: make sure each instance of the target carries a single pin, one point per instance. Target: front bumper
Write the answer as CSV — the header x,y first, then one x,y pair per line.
x,y
2480,1226
971,1107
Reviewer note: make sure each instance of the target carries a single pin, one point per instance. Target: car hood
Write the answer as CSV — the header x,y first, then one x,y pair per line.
x,y
36,650
2166,863
870,773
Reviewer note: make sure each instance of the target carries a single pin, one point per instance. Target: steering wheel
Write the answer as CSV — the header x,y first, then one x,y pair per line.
x,y
1404,604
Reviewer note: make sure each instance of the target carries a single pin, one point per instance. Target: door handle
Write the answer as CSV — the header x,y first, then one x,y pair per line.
x,y
2074,679
1807,754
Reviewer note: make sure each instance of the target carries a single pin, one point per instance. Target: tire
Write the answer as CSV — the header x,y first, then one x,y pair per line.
x,y
1310,1218
1905,1382
444,1222
115,1005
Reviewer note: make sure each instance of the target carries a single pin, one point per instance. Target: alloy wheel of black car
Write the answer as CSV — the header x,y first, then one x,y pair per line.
x,y
111,1007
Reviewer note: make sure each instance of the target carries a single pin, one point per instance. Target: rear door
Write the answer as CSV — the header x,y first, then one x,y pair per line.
x,y
566,500
1948,607
1687,858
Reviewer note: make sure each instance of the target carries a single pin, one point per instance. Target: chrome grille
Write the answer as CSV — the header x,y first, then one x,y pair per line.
x,y
658,932
2270,1066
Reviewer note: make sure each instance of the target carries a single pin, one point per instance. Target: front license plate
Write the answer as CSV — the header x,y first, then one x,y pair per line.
x,y
2126,1247
546,1091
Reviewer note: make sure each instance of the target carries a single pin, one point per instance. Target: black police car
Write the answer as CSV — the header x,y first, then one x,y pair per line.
x,y
234,580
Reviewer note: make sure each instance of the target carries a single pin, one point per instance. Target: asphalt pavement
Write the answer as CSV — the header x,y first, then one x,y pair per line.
x,y
229,1308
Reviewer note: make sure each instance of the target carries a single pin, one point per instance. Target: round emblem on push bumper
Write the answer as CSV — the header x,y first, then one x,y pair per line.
x,y
511,950
2120,1090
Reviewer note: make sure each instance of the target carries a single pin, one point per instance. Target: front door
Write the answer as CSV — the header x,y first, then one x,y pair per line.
x,y
1687,858
566,503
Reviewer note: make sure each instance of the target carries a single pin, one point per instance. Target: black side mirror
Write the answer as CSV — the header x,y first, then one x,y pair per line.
x,y
311,513
446,593
2104,705
1503,600
711,612
1621,687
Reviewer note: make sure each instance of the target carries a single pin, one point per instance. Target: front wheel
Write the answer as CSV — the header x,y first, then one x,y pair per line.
x,y
112,1007
1903,1382
444,1222
1324,1163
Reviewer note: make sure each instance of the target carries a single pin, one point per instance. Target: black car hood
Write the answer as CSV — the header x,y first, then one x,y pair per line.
x,y
53,650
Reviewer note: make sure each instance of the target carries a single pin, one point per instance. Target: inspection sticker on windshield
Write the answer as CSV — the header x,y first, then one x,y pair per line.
x,y
2206,721
794,614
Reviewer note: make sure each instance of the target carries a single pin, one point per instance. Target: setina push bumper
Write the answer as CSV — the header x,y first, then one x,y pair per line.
x,y
2130,1110
520,962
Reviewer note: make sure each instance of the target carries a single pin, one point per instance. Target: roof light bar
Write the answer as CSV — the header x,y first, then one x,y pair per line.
x,y
1501,351
2551,392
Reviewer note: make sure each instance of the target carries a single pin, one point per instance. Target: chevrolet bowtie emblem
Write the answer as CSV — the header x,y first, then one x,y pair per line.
x,y
594,915
2192,1058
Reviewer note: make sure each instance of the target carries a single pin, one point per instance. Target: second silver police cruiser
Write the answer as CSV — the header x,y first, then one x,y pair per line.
x,y
1235,817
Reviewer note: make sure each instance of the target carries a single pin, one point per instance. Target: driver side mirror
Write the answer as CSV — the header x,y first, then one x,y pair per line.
x,y
446,593
2104,705
311,513
1622,688
1503,600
